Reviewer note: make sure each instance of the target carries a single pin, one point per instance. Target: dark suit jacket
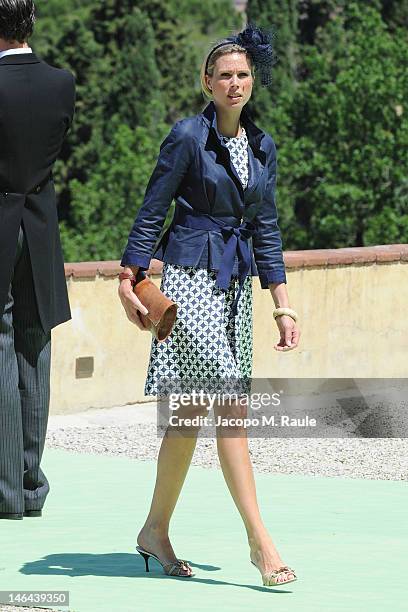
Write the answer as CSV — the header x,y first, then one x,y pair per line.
x,y
194,168
36,110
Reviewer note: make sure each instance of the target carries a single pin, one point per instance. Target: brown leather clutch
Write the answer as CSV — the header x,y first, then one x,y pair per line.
x,y
162,311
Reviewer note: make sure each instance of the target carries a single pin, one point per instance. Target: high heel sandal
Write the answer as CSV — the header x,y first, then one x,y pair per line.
x,y
171,569
271,578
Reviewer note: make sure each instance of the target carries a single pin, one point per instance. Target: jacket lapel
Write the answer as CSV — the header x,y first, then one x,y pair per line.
x,y
256,168
216,144
256,154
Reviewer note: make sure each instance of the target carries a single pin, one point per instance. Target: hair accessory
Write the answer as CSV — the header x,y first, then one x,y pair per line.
x,y
258,43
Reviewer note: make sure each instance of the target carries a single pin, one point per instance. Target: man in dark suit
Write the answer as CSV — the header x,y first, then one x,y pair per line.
x,y
36,110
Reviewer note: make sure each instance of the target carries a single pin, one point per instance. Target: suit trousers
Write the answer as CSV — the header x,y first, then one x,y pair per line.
x,y
25,360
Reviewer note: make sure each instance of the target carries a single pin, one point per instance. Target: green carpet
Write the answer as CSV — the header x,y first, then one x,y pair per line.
x,y
346,539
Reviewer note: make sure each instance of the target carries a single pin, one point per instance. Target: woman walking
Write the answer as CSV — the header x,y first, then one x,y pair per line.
x,y
221,170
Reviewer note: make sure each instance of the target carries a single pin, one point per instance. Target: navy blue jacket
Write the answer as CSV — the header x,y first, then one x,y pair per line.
x,y
194,168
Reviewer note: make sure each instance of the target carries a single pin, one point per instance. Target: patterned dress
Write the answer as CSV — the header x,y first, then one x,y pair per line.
x,y
208,343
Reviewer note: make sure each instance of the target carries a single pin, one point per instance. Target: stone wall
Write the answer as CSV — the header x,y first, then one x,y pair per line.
x,y
352,305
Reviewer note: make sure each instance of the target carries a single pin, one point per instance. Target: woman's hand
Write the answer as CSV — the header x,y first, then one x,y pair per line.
x,y
131,304
289,333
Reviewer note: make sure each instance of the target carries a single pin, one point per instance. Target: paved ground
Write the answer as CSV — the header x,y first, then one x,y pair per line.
x,y
346,538
348,444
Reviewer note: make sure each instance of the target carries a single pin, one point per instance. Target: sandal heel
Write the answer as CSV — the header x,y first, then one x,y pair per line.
x,y
171,569
145,557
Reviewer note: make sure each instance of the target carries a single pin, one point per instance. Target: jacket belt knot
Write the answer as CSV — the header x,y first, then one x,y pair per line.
x,y
236,243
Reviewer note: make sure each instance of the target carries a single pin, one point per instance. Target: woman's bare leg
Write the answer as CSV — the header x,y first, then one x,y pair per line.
x,y
175,455
232,445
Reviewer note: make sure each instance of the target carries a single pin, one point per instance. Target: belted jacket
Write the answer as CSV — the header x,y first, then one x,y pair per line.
x,y
218,224
36,110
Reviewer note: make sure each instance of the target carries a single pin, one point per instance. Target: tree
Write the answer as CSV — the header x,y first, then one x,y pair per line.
x,y
336,110
103,208
350,157
137,71
117,92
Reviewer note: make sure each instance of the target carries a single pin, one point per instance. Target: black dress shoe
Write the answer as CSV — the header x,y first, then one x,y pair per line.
x,y
32,513
13,516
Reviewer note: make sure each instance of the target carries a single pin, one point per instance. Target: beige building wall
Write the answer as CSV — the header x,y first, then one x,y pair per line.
x,y
352,306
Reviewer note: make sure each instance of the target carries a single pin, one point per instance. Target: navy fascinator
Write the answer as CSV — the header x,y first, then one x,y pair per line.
x,y
258,44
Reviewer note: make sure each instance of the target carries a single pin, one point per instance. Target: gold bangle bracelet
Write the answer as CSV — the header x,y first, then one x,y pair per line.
x,y
285,311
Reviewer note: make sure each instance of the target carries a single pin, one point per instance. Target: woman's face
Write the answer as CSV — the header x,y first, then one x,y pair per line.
x,y
231,83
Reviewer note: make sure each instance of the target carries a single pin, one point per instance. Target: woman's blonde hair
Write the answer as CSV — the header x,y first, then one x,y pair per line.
x,y
211,57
